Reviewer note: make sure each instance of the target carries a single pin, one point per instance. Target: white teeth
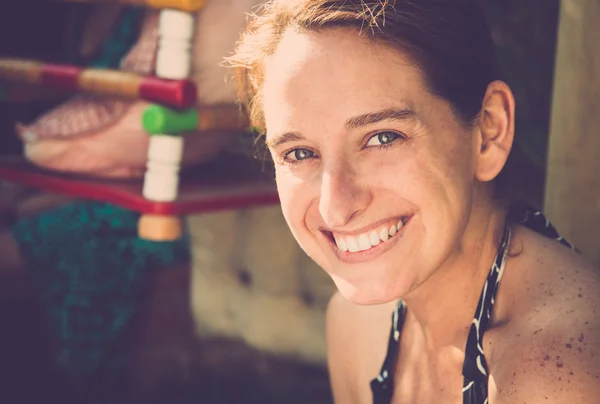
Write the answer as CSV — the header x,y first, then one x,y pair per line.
x,y
374,238
341,244
366,241
363,242
400,224
392,230
384,235
352,244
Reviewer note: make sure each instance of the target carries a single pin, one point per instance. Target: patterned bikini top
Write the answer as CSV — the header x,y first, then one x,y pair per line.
x,y
475,370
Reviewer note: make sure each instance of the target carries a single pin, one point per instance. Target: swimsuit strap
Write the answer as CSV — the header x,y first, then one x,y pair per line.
x,y
475,370
383,385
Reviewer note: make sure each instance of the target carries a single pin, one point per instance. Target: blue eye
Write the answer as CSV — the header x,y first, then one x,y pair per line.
x,y
299,154
383,138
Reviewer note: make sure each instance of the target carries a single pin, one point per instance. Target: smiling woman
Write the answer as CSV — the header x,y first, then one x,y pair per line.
x,y
388,123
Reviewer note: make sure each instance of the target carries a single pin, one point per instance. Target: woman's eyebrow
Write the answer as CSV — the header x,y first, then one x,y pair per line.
x,y
388,114
284,138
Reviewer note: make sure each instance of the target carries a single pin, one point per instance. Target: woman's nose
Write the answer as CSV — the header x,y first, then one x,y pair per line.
x,y
342,196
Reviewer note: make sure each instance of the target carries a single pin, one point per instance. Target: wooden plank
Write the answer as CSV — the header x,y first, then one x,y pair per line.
x,y
572,199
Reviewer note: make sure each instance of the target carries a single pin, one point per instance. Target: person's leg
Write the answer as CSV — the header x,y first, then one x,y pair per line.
x,y
12,261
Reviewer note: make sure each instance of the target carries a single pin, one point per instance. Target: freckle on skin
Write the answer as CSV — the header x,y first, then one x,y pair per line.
x,y
547,357
559,365
580,339
569,346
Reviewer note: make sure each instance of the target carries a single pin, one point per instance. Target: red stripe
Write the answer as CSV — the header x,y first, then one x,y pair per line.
x,y
197,194
63,77
174,93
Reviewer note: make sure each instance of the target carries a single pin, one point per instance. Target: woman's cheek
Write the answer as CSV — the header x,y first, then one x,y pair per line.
x,y
293,195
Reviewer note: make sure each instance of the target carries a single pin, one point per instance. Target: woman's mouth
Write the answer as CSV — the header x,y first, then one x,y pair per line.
x,y
369,240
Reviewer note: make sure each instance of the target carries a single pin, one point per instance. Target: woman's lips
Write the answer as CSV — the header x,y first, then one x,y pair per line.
x,y
373,251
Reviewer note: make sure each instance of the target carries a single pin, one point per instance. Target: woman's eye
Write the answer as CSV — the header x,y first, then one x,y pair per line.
x,y
382,139
299,154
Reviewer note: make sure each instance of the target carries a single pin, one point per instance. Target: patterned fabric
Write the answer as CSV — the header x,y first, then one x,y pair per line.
x,y
90,266
87,114
475,370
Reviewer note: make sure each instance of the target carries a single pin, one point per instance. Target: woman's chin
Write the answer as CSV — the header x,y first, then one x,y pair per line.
x,y
365,295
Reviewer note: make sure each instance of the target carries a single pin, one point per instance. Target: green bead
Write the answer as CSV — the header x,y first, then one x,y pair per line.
x,y
160,120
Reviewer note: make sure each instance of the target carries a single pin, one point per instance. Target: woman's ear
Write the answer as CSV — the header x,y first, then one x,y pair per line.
x,y
496,131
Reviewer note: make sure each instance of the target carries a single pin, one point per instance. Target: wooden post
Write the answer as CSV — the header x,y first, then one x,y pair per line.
x,y
572,199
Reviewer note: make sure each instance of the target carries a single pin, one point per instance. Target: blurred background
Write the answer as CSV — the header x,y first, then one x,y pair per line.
x,y
217,317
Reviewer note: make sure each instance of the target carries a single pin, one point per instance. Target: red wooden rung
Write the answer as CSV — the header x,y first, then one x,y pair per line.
x,y
177,93
60,77
230,182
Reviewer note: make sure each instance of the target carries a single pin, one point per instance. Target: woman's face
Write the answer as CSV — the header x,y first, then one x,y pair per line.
x,y
375,173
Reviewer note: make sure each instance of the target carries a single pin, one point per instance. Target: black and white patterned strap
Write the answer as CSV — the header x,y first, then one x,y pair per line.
x,y
382,386
475,370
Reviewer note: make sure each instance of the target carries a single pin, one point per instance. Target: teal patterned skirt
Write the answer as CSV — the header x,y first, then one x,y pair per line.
x,y
90,268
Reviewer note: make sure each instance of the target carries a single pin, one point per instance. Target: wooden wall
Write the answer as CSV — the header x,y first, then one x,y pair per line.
x,y
572,198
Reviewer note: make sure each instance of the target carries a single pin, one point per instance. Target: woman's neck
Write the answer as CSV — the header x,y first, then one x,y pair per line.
x,y
442,308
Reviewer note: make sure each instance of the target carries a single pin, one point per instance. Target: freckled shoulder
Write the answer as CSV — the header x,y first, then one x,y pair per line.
x,y
550,348
356,347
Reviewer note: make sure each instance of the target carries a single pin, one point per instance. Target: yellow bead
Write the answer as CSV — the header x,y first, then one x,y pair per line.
x,y
185,5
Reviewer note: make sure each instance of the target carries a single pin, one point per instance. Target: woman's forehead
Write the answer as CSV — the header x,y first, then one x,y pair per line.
x,y
319,73
323,54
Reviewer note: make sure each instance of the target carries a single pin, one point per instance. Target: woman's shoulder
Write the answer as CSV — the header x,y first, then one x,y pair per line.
x,y
549,345
357,339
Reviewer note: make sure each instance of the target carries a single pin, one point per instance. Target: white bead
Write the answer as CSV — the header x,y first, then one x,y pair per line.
x,y
165,149
176,24
176,33
161,181
174,62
